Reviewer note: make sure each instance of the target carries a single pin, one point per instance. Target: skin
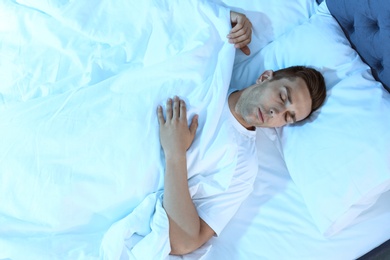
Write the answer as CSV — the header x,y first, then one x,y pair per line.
x,y
271,103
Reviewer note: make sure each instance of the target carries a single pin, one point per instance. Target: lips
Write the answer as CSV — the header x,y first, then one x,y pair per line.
x,y
260,115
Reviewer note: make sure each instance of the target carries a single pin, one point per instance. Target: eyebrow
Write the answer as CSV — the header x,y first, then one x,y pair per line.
x,y
294,119
288,90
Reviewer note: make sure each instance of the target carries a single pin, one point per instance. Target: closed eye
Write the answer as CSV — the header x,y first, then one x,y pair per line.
x,y
286,118
281,98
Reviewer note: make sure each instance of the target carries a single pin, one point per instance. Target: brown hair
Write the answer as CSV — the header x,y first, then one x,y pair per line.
x,y
313,79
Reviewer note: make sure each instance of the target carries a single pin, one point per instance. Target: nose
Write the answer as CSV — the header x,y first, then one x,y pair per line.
x,y
273,111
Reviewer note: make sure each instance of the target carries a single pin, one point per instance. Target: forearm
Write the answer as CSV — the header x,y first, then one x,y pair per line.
x,y
187,231
184,221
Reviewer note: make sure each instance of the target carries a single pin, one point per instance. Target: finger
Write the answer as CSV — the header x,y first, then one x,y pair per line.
x,y
241,25
194,125
160,115
183,110
241,44
240,41
169,109
245,30
246,50
244,39
236,28
233,37
176,107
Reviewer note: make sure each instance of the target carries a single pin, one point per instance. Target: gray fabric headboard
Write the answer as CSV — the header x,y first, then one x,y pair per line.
x,y
367,26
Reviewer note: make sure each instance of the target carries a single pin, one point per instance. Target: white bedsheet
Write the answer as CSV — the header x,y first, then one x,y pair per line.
x,y
78,172
81,165
275,223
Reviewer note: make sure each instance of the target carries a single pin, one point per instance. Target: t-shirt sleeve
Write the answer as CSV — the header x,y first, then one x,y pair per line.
x,y
218,209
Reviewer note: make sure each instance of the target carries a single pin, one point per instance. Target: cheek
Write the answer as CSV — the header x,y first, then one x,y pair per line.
x,y
277,122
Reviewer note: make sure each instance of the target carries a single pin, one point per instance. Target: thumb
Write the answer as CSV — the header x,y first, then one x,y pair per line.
x,y
194,125
246,50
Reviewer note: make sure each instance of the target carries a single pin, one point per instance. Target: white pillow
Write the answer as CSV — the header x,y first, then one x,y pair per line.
x,y
340,157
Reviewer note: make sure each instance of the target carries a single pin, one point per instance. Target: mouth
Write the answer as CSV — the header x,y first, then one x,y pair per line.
x,y
260,115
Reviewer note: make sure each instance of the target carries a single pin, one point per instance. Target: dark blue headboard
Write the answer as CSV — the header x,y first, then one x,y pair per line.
x,y
366,23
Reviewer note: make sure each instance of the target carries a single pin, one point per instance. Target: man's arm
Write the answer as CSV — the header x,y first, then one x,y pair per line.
x,y
187,231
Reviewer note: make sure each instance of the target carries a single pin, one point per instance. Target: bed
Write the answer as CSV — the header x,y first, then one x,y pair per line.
x,y
81,165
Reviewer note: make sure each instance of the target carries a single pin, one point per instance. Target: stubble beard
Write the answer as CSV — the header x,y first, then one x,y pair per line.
x,y
245,108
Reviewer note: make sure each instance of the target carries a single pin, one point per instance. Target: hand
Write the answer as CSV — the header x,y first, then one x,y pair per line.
x,y
175,135
241,33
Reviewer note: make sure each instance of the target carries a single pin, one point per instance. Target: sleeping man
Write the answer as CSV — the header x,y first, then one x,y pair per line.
x,y
206,179
197,210
210,171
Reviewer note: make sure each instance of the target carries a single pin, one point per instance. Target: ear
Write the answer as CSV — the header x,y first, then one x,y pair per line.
x,y
266,75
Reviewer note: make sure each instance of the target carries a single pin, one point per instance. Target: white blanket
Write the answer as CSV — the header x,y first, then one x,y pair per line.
x,y
80,153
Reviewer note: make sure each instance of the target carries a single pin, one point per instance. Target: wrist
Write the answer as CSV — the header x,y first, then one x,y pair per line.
x,y
175,156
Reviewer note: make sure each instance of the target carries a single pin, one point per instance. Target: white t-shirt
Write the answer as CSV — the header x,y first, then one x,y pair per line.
x,y
221,169
222,166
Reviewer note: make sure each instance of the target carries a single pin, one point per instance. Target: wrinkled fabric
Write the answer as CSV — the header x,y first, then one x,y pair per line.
x,y
80,152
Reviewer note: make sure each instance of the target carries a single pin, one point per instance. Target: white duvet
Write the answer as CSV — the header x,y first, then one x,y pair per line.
x,y
81,169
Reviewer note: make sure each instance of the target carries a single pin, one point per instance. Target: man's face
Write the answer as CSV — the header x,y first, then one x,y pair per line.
x,y
274,103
